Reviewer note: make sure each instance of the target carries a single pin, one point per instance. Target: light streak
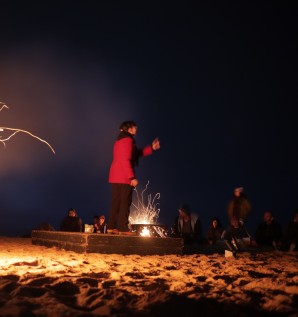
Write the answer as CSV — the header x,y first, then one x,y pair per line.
x,y
145,212
3,105
161,231
16,130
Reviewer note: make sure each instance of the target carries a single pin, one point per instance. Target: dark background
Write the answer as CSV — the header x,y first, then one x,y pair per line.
x,y
216,82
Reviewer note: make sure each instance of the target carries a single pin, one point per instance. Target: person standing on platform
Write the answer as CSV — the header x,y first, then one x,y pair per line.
x,y
122,175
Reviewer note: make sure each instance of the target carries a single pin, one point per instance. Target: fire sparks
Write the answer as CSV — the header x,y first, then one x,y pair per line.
x,y
145,212
151,230
143,218
161,231
15,131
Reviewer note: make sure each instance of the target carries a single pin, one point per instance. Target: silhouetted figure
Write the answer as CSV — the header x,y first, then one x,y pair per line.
x,y
290,236
269,232
239,206
42,227
72,222
215,231
187,225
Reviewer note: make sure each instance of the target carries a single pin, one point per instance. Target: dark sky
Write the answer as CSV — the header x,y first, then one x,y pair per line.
x,y
217,83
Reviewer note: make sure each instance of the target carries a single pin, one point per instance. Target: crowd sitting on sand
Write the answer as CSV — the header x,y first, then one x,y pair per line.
x,y
269,234
73,223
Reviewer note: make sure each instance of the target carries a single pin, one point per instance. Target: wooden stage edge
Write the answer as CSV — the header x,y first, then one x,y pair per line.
x,y
82,242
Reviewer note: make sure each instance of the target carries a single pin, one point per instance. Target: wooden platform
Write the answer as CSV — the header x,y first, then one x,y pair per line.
x,y
107,243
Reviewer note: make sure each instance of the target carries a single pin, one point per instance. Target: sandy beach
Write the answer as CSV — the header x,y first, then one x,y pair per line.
x,y
40,281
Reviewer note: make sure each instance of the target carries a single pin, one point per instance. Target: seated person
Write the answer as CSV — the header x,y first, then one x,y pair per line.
x,y
72,222
236,235
215,231
290,236
99,224
187,225
268,232
45,227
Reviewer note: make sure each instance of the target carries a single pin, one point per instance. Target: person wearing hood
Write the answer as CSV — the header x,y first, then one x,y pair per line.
x,y
187,225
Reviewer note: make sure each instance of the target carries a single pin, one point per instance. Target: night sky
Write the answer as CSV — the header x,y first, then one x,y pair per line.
x,y
217,83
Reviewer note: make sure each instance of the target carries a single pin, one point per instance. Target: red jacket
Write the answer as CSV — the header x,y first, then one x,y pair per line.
x,y
125,157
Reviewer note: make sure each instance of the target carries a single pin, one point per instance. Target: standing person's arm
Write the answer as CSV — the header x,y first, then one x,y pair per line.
x,y
155,145
147,150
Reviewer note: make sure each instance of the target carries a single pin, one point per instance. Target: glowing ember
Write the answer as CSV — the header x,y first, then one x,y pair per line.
x,y
155,230
15,131
145,232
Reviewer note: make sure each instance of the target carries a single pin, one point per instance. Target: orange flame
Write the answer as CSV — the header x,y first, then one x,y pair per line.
x,y
145,232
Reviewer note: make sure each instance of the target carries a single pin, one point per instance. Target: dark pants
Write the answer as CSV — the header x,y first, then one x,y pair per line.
x,y
120,207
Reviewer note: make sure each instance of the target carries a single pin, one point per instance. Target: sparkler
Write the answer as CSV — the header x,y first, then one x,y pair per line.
x,y
16,130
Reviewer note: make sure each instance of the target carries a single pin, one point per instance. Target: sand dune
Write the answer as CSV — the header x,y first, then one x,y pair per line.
x,y
40,281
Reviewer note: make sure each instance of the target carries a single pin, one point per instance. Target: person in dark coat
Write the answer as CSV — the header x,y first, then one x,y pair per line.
x,y
290,235
239,206
215,231
187,225
269,232
72,222
236,236
122,175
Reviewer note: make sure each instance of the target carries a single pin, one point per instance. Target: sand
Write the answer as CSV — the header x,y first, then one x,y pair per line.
x,y
40,281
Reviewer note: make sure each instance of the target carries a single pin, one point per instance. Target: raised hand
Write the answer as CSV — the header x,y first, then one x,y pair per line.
x,y
156,144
